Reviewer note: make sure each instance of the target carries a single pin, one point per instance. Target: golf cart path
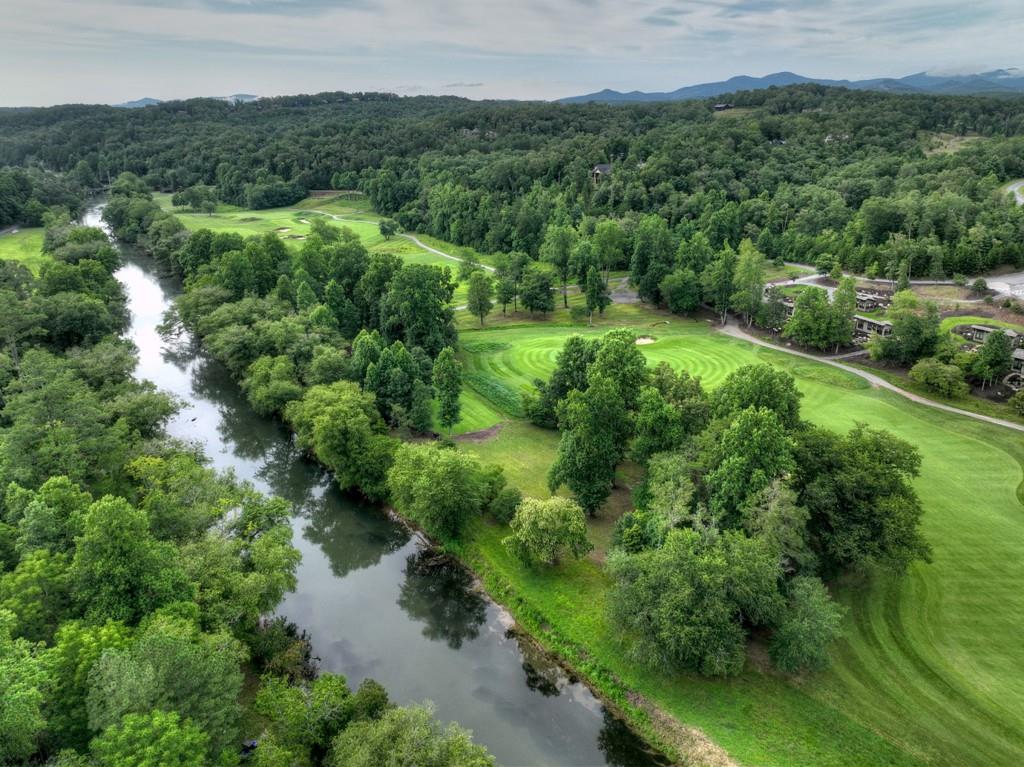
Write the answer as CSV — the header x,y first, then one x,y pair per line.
x,y
733,330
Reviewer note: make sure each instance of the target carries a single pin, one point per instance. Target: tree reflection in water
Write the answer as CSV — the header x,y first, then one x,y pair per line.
x,y
623,748
351,534
439,592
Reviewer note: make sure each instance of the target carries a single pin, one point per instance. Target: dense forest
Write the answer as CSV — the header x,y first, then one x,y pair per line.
x,y
808,172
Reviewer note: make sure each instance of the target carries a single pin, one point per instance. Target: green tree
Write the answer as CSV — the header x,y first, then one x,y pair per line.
x,y
76,648
751,452
437,488
596,293
716,585
537,295
759,386
681,291
507,291
810,623
717,282
813,321
748,282
915,331
546,530
38,592
407,737
571,366
24,679
119,570
172,667
620,360
388,228
271,383
595,427
994,359
151,739
480,295
557,248
342,425
448,384
658,426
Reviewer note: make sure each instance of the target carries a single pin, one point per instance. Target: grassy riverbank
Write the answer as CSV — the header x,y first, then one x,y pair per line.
x,y
928,670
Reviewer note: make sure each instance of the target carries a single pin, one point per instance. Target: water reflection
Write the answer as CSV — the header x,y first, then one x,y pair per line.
x,y
351,541
440,593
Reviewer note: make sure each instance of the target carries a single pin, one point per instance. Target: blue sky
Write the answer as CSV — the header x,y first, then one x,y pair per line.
x,y
59,51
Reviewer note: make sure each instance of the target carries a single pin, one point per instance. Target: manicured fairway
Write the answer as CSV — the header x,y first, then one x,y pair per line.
x,y
292,225
25,246
931,668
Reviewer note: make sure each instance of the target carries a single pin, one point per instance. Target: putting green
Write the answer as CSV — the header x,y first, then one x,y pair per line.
x,y
930,670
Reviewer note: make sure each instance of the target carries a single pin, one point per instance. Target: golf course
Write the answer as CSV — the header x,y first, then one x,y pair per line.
x,y
928,661
929,670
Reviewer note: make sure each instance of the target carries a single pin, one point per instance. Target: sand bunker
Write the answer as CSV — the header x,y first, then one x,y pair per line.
x,y
644,340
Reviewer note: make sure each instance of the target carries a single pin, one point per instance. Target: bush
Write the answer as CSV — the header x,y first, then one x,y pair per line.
x,y
504,506
545,530
812,620
1017,402
979,286
945,380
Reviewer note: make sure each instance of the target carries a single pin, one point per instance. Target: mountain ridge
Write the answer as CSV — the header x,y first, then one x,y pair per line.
x,y
995,82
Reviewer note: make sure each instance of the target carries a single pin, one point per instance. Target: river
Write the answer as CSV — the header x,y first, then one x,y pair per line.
x,y
373,598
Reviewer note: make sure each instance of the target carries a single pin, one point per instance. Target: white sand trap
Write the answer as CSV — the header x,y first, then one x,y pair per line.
x,y
282,230
304,221
644,340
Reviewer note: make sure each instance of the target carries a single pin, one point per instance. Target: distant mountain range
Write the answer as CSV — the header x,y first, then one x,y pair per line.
x,y
148,102
996,82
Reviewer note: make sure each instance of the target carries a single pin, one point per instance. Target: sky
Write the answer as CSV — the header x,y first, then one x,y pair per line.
x,y
108,51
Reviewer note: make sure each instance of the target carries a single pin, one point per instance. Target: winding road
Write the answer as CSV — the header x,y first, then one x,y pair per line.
x,y
735,331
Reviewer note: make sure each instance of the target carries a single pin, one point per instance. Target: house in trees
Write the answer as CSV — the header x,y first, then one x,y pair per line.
x,y
722,107
980,333
865,326
599,172
1017,364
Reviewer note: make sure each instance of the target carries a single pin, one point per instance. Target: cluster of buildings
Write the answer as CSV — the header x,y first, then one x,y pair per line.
x,y
979,334
864,326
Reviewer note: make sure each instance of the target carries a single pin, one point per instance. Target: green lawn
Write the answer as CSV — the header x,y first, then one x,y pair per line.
x,y
930,670
25,246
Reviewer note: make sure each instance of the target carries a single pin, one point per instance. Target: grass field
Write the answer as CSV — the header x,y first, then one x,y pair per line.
x,y
25,246
930,670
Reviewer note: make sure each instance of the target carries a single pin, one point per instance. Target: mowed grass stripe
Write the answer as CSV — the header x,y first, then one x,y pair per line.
x,y
931,661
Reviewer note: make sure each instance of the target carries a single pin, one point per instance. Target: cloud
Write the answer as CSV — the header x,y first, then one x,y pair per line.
x,y
114,50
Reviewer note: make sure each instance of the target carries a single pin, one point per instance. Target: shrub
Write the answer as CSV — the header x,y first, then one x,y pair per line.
x,y
545,530
1017,402
946,380
504,506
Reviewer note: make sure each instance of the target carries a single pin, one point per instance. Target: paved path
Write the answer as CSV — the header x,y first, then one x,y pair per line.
x,y
732,329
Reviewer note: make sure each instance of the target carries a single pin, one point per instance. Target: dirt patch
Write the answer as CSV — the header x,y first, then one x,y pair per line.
x,y
696,747
480,436
644,340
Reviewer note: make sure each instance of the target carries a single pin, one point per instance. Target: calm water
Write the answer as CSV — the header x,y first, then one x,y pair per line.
x,y
377,602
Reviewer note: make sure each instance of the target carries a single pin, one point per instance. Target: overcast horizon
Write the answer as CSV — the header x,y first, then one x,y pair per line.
x,y
112,51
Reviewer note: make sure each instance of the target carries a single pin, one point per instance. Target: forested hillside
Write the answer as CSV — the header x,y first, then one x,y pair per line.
x,y
805,171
